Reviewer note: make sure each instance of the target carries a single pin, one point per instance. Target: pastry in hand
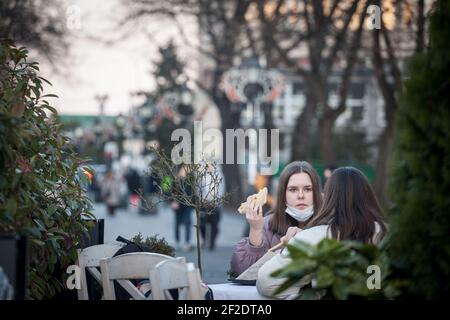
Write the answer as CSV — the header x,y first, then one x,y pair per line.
x,y
261,199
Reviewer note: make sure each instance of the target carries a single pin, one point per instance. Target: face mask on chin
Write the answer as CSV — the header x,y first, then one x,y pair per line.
x,y
300,215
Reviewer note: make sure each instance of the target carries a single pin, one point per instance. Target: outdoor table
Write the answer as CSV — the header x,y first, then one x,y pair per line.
x,y
233,291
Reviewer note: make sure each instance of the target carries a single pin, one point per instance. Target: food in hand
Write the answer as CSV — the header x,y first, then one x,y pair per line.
x,y
261,199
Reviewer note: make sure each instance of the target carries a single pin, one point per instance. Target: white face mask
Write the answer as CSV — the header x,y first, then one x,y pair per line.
x,y
300,215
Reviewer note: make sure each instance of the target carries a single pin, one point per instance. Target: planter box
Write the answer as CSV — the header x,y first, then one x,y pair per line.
x,y
96,236
14,261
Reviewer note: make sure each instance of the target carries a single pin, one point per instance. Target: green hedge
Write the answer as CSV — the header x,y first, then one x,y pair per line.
x,y
420,182
41,192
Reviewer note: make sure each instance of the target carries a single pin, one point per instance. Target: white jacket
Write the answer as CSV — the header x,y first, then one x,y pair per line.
x,y
267,285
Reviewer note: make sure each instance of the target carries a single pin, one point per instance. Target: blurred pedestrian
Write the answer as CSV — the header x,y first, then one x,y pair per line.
x,y
210,214
151,193
134,185
327,172
183,216
111,192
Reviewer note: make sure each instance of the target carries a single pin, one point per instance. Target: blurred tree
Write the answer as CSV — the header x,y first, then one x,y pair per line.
x,y
169,72
355,153
318,41
329,32
170,79
389,50
420,217
334,36
222,26
39,25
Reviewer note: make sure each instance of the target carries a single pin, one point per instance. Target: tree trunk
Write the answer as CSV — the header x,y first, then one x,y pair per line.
x,y
232,172
197,232
302,131
269,125
385,143
233,184
420,41
268,121
326,140
385,147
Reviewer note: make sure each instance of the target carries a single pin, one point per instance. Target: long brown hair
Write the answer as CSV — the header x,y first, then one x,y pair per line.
x,y
350,207
280,221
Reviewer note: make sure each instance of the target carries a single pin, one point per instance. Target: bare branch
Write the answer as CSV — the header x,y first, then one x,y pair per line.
x,y
393,61
189,43
351,58
339,40
377,60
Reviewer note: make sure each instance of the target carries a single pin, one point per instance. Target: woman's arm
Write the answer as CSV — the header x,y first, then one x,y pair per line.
x,y
245,253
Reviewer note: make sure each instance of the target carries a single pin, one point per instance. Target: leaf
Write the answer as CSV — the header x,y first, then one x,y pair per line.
x,y
18,109
50,95
300,249
285,285
40,225
33,231
324,277
11,206
45,80
36,92
340,289
38,242
53,110
309,294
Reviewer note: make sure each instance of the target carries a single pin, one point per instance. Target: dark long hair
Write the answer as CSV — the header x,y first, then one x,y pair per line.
x,y
350,208
280,221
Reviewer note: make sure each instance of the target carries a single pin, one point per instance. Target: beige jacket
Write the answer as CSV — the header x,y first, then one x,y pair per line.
x,y
267,285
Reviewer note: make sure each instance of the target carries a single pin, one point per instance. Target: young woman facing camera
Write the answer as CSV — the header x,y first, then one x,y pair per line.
x,y
298,197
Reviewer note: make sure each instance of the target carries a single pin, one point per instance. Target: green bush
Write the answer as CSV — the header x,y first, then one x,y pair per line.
x,y
157,245
420,182
41,192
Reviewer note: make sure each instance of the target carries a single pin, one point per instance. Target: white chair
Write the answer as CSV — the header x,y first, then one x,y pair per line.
x,y
130,266
171,274
89,260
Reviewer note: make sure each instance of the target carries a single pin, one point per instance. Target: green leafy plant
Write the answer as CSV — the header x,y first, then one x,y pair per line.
x,y
156,244
41,182
338,270
420,179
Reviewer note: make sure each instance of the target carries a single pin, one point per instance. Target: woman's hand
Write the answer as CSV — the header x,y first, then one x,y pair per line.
x,y
255,219
254,215
290,233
